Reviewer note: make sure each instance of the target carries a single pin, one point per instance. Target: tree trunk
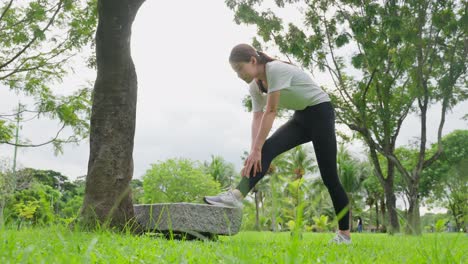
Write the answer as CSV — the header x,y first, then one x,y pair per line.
x,y
376,213
2,206
457,214
257,218
273,206
107,198
274,225
387,184
383,212
391,208
351,201
414,218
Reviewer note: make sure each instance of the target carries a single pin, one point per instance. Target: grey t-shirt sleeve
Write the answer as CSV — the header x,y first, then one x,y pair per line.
x,y
258,99
278,76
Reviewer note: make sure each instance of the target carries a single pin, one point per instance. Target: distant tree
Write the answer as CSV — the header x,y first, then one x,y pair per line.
x,y
299,161
137,190
375,197
177,180
7,187
221,171
40,197
352,173
446,181
72,200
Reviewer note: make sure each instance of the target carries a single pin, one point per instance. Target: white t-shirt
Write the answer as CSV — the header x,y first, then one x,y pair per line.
x,y
298,90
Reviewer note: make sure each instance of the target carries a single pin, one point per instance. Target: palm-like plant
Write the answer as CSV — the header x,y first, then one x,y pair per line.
x,y
352,173
221,171
297,162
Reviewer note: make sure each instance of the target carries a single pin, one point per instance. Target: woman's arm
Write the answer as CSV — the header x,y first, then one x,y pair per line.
x,y
254,159
257,118
267,120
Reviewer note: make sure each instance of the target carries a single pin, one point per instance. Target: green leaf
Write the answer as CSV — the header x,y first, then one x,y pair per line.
x,y
342,40
358,60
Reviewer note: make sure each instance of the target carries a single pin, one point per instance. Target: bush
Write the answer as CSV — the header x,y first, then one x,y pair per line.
x,y
177,180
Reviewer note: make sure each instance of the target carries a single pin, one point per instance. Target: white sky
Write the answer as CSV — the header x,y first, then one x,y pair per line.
x,y
189,99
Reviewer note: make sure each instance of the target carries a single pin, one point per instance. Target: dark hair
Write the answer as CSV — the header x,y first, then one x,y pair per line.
x,y
243,53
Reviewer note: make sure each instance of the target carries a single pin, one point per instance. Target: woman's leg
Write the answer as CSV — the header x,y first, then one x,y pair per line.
x,y
321,123
288,136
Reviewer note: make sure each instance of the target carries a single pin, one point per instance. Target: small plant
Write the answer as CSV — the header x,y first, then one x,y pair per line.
x,y
440,225
321,223
26,211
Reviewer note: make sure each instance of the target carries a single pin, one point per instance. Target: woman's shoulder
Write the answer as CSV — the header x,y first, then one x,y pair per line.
x,y
281,67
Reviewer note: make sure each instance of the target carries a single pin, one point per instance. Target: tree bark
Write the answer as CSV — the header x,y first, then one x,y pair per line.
x,y
383,213
391,209
107,198
387,184
351,201
257,217
376,213
414,218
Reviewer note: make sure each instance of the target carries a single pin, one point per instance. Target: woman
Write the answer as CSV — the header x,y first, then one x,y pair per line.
x,y
275,84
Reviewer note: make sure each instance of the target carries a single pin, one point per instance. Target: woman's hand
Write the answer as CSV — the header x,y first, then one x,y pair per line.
x,y
252,163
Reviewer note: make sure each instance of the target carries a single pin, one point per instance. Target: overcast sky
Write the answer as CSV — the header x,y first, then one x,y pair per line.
x,y
189,99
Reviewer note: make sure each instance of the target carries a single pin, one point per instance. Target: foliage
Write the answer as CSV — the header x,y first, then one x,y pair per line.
x,y
221,171
437,176
39,201
177,180
137,191
321,223
440,225
41,196
26,211
37,40
445,182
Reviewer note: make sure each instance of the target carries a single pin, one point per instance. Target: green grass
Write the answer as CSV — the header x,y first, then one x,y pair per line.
x,y
59,245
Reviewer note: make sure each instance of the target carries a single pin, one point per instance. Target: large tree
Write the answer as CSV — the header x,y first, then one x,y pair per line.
x,y
446,181
110,169
386,60
37,40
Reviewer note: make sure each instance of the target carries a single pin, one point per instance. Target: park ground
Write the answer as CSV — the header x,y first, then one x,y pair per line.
x,y
60,245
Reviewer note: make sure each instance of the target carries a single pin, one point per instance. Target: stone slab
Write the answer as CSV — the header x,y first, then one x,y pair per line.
x,y
198,220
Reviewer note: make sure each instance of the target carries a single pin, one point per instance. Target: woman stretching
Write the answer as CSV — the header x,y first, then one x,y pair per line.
x,y
276,84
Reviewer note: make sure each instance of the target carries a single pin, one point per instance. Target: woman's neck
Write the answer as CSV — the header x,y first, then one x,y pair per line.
x,y
262,73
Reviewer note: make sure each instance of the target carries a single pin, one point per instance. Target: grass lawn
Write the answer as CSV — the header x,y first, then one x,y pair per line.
x,y
59,245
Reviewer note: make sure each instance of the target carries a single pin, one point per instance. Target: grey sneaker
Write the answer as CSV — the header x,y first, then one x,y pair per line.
x,y
340,239
226,199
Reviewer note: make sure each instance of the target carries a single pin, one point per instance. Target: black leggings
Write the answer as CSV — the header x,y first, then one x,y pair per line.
x,y
317,124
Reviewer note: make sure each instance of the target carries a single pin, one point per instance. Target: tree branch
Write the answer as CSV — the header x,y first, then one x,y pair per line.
x,y
6,9
401,119
453,76
340,76
55,52
59,6
38,145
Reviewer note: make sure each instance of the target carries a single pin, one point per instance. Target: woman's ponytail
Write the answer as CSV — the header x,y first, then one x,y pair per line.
x,y
263,58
